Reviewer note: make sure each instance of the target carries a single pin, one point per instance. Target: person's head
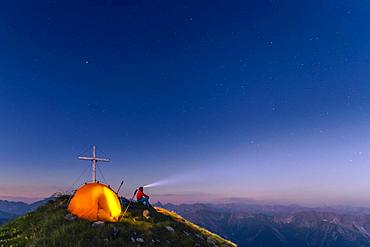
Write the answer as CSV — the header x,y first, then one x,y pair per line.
x,y
141,188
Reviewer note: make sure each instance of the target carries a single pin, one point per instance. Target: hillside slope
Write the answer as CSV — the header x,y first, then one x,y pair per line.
x,y
49,226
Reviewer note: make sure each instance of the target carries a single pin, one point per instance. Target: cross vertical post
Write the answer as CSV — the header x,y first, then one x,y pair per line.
x,y
94,164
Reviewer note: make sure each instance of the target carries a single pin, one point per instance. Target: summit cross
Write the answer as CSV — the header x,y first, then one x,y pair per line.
x,y
94,160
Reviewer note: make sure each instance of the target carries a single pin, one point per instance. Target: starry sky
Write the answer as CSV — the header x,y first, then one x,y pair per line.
x,y
259,99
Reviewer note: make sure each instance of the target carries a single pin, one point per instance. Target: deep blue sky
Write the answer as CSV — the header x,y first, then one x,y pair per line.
x,y
261,99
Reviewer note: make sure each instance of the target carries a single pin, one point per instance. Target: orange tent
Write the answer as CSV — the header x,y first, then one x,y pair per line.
x,y
95,201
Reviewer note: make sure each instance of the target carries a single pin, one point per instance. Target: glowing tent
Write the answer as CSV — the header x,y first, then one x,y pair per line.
x,y
95,201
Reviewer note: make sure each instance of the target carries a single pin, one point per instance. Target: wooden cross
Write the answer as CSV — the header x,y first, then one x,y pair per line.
x,y
94,159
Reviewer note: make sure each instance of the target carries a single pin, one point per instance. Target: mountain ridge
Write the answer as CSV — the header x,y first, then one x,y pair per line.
x,y
52,225
251,225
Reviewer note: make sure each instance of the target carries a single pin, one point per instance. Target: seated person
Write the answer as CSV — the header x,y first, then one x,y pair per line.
x,y
142,197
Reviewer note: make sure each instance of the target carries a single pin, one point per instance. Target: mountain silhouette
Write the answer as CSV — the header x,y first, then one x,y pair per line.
x,y
286,226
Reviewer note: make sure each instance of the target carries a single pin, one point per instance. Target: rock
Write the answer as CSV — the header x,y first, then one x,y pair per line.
x,y
140,240
146,214
211,242
115,231
62,204
199,236
70,217
170,229
97,223
133,240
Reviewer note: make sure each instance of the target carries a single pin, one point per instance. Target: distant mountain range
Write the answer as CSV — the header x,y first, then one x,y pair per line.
x,y
4,217
10,210
273,225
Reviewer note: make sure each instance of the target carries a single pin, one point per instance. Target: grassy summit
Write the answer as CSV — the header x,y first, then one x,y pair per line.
x,y
49,226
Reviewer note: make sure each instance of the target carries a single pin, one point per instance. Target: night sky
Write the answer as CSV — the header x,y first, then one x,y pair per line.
x,y
259,99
